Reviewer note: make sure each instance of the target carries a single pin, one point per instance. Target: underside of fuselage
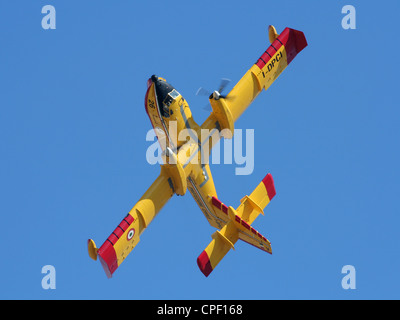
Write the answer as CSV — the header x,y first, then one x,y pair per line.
x,y
157,91
170,115
176,131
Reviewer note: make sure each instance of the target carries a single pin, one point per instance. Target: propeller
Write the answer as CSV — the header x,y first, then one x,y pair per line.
x,y
217,93
214,95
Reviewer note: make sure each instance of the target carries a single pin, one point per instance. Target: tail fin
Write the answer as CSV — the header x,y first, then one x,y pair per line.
x,y
238,226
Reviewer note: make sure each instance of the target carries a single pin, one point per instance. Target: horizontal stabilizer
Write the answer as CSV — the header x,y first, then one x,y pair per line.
x,y
238,225
221,243
251,206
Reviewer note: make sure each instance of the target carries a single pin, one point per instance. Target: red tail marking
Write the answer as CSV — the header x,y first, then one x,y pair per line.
x,y
203,261
269,185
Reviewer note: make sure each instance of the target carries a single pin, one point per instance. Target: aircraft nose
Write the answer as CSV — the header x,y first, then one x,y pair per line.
x,y
152,79
162,87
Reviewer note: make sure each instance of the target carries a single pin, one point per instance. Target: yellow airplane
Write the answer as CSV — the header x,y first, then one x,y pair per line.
x,y
185,161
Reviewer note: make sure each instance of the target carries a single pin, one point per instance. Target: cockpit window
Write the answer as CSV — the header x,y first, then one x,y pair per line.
x,y
174,94
171,97
167,102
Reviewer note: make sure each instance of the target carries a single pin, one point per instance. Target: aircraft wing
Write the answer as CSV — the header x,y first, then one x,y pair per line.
x,y
226,110
127,234
266,70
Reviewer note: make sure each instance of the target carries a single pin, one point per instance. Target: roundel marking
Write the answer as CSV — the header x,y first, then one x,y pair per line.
x,y
130,234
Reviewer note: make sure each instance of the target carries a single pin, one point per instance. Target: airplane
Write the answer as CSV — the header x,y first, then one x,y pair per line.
x,y
184,166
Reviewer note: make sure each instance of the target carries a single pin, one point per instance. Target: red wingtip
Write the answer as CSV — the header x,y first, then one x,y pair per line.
x,y
269,185
294,42
108,258
203,261
301,41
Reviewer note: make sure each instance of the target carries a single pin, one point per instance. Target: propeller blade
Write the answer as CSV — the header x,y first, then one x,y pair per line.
x,y
223,84
207,107
216,94
203,92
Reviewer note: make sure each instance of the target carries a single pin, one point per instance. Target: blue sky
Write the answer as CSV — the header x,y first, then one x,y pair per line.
x,y
73,147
